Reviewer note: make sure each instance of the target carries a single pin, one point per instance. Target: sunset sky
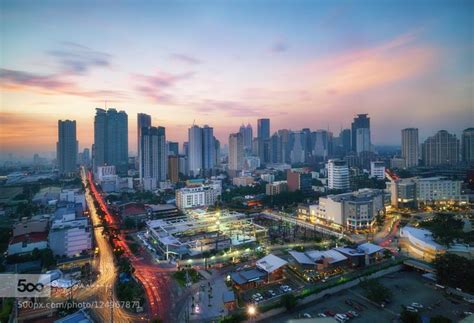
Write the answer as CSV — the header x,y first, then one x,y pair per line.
x,y
301,63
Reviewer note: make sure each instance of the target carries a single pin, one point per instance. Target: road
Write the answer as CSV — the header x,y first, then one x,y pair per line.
x,y
102,288
155,279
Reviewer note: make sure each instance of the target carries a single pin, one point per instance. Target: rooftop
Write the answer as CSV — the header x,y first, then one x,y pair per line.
x,y
29,238
270,263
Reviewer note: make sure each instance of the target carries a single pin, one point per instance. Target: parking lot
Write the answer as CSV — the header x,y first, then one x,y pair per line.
x,y
407,287
268,291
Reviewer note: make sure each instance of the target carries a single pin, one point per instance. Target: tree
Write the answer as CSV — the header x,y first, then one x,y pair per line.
x,y
455,271
375,291
409,317
289,301
440,319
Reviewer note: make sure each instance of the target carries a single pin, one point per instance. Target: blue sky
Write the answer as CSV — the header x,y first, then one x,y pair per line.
x,y
302,63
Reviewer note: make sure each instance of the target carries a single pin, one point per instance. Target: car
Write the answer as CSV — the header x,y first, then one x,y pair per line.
x,y
411,309
354,313
322,315
329,313
272,293
349,315
285,288
341,317
307,315
416,305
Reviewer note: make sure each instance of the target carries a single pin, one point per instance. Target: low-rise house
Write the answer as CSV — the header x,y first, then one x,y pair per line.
x,y
362,255
35,224
229,300
26,243
273,266
321,261
248,278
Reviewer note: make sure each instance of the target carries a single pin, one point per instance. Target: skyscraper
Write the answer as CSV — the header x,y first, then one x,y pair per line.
x,y
194,150
440,149
86,157
345,136
208,148
173,168
321,144
361,134
410,147
236,151
172,148
217,146
297,144
263,134
153,158
247,134
143,120
111,139
66,147
468,145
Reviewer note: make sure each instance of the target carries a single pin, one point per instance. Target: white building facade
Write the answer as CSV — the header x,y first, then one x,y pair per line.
x,y
338,174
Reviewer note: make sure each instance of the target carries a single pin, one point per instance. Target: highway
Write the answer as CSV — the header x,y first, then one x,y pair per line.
x,y
155,279
101,290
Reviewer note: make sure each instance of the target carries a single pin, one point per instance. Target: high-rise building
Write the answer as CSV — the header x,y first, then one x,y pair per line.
x,y
361,134
321,144
297,144
172,148
110,139
236,151
468,145
275,149
338,174
247,133
66,147
217,146
173,168
208,148
345,136
284,146
153,158
143,121
410,147
86,157
195,150
440,149
263,134
263,128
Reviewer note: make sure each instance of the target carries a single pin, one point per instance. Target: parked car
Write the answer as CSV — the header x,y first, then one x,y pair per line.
x,y
307,315
329,313
411,309
322,315
416,305
354,313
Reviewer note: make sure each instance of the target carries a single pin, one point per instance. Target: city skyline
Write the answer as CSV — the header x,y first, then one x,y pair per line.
x,y
413,70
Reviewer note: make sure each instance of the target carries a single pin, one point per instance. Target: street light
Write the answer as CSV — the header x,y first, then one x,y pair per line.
x,y
251,311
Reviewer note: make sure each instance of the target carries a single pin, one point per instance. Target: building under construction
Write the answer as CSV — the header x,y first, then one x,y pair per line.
x,y
200,231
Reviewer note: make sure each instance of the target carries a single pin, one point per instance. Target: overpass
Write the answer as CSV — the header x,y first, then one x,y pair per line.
x,y
299,222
